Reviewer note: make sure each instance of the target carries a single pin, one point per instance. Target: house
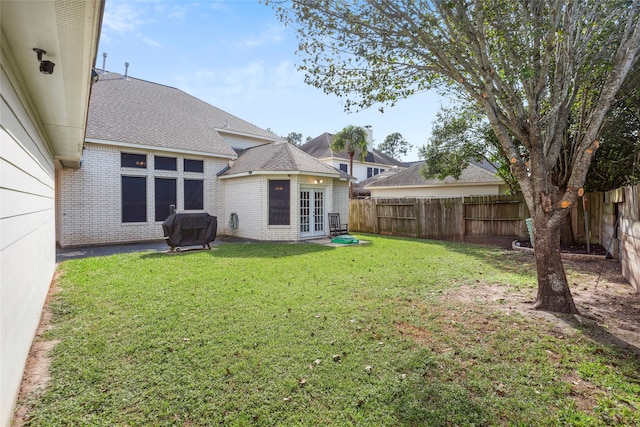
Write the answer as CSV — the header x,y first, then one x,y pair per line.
x,y
374,163
45,98
476,179
149,147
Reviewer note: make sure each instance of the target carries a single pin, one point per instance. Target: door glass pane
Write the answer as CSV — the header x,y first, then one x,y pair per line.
x,y
318,211
305,211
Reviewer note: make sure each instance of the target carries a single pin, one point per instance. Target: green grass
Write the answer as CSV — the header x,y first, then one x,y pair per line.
x,y
247,334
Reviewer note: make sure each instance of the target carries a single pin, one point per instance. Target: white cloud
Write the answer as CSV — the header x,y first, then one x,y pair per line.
x,y
148,41
121,19
272,34
237,86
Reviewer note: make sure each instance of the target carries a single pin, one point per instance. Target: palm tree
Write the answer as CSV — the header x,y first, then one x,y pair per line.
x,y
351,139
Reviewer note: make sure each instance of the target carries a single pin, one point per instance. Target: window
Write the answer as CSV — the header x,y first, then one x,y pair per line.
x,y
165,163
381,170
165,197
128,160
193,165
193,194
376,171
279,202
369,172
343,167
134,199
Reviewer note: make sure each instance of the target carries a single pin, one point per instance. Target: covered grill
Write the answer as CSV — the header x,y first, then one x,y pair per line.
x,y
189,228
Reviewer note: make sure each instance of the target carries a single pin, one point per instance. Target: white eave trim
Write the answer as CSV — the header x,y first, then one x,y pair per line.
x,y
260,173
143,147
249,135
448,184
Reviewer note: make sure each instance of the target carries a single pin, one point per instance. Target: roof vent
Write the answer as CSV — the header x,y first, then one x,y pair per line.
x,y
104,62
126,70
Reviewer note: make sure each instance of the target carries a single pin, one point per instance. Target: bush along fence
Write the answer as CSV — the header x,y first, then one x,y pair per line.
x,y
612,218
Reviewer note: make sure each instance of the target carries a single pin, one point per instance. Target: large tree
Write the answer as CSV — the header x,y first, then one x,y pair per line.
x,y
528,63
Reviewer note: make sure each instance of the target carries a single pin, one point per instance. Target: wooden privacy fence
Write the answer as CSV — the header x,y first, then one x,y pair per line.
x,y
461,218
441,219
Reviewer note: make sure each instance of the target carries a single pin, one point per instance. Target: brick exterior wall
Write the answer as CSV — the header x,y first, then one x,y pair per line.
x,y
89,208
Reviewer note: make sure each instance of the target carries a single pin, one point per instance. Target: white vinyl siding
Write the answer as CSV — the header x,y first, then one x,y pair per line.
x,y
27,234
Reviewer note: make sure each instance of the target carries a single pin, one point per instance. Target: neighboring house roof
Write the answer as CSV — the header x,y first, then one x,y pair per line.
x,y
472,174
320,148
359,189
139,112
280,156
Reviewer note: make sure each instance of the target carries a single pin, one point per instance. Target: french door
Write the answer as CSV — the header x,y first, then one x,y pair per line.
x,y
312,213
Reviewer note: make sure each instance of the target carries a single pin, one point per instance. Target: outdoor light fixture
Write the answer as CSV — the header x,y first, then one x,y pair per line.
x,y
46,67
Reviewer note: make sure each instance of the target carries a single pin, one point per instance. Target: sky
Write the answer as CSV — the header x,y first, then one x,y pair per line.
x,y
237,56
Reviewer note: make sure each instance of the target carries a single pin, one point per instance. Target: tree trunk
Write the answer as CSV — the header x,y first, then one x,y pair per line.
x,y
553,288
566,232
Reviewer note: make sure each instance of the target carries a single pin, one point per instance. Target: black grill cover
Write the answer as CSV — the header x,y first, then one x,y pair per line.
x,y
190,229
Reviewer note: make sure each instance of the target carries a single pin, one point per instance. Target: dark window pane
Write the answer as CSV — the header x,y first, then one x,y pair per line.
x,y
375,171
344,167
193,165
165,163
193,194
134,199
165,197
279,202
128,160
369,172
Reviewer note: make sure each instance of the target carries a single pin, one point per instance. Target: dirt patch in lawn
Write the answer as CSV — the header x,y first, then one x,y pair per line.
x,y
609,306
36,372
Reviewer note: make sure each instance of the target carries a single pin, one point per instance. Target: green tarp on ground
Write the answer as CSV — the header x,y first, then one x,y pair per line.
x,y
345,239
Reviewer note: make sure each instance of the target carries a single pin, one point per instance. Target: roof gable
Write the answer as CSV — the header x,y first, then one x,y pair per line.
x,y
279,157
136,111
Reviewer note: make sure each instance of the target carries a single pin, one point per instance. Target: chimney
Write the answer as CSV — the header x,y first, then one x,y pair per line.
x,y
126,70
104,62
369,130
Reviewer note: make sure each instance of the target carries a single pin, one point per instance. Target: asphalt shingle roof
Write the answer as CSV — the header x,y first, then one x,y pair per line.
x,y
140,112
320,148
412,177
279,156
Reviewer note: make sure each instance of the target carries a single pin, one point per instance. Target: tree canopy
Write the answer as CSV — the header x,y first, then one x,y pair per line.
x,y
395,145
294,138
529,64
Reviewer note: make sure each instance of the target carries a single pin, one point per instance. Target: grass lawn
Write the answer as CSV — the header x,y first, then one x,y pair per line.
x,y
303,334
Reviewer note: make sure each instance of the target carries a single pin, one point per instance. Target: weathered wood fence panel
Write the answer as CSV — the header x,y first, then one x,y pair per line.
x,y
441,219
628,208
595,202
362,216
495,216
396,217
